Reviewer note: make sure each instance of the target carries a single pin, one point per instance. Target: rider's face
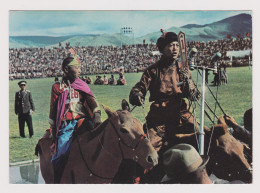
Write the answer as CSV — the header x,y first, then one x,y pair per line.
x,y
171,50
73,72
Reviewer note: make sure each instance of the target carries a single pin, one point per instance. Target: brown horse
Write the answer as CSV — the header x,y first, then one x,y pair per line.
x,y
227,154
95,156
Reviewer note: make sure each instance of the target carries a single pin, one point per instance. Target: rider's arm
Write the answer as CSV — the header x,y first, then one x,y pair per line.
x,y
91,104
239,132
190,89
53,105
141,88
94,111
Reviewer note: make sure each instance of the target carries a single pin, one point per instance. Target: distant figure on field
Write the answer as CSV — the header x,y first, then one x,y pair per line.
x,y
99,80
88,80
56,79
24,108
105,80
121,80
112,80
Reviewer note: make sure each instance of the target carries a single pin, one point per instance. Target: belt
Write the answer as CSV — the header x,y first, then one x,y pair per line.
x,y
167,101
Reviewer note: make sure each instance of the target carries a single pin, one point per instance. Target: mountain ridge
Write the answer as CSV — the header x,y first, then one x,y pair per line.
x,y
236,25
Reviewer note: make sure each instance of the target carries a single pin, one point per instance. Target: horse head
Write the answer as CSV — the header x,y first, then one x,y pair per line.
x,y
133,142
228,155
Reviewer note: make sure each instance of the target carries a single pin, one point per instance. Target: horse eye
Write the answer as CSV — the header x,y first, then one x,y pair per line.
x,y
123,130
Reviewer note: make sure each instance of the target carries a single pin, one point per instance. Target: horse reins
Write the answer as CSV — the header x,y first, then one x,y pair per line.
x,y
86,164
143,136
121,151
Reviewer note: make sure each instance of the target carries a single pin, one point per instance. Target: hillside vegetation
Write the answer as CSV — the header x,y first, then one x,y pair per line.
x,y
235,25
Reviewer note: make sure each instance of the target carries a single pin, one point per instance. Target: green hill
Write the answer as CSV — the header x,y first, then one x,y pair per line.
x,y
236,25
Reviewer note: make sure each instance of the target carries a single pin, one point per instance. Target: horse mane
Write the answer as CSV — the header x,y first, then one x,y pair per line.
x,y
220,129
91,133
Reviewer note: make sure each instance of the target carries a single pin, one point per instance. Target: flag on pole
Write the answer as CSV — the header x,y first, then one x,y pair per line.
x,y
229,36
183,50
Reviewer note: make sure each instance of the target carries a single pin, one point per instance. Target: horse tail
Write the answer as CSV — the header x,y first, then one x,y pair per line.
x,y
37,149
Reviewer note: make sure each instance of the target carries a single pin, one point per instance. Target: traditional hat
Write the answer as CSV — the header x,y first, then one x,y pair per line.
x,y
75,61
166,38
23,82
181,160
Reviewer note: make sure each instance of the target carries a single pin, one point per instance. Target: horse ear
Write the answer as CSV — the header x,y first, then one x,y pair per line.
x,y
125,105
108,111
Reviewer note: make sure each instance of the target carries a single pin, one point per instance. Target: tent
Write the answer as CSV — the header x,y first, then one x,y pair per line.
x,y
238,54
155,53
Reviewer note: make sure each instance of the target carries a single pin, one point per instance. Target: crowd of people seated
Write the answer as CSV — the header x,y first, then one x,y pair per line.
x,y
106,81
25,63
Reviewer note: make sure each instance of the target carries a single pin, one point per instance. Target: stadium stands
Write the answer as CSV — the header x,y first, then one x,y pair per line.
x,y
42,62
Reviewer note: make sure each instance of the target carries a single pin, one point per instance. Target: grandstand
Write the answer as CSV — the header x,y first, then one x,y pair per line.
x,y
25,63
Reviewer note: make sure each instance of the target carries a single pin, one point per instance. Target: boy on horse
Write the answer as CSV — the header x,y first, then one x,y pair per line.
x,y
169,113
72,103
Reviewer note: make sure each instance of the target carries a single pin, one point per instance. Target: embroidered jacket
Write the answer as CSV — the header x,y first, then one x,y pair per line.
x,y
78,103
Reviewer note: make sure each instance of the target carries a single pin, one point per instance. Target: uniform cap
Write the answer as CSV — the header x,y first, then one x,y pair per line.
x,y
23,82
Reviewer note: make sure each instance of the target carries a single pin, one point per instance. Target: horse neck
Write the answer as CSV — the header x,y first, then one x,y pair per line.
x,y
110,142
105,152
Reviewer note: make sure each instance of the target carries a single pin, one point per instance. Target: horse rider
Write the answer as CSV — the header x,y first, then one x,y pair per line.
x,y
72,103
169,113
24,108
183,165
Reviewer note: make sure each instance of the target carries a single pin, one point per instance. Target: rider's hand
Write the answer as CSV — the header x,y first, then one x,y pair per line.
x,y
221,120
138,99
185,73
230,121
97,118
191,85
190,90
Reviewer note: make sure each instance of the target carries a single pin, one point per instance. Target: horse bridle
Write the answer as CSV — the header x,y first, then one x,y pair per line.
x,y
143,136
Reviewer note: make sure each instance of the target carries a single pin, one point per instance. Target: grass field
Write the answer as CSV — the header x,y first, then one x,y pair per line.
x,y
235,98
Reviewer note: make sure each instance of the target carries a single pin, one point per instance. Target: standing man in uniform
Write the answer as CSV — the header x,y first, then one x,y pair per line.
x,y
24,108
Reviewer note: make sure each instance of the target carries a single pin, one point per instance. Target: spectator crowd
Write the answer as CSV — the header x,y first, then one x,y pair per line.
x,y
25,63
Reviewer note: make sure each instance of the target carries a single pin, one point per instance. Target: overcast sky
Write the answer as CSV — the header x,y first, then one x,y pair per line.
x,y
60,23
